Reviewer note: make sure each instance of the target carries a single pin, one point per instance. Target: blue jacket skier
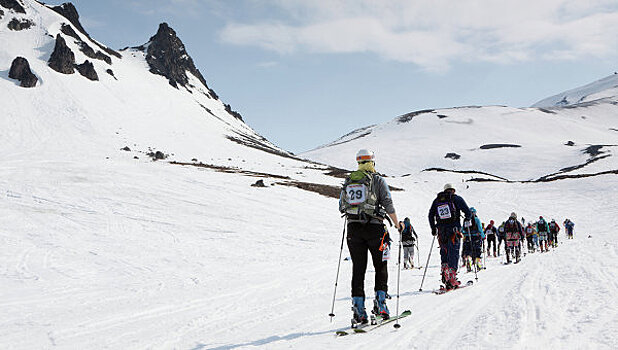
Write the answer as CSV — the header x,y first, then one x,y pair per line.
x,y
444,220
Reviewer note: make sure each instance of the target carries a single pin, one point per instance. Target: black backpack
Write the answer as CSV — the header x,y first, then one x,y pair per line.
x,y
446,212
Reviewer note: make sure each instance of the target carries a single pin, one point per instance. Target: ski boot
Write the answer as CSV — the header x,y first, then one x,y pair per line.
x,y
452,282
379,305
479,265
444,273
360,315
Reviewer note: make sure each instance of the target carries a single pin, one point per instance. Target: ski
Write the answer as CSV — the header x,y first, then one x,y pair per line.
x,y
443,290
382,322
369,327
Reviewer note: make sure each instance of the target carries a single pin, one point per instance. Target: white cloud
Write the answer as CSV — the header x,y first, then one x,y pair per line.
x,y
435,33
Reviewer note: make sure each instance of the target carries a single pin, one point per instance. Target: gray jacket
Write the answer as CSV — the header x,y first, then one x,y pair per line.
x,y
383,194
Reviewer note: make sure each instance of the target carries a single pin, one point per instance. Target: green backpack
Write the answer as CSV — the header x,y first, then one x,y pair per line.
x,y
360,197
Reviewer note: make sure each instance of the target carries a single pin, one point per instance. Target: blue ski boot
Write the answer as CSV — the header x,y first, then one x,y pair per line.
x,y
379,305
360,315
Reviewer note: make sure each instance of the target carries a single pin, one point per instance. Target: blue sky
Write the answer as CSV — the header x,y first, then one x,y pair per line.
x,y
304,72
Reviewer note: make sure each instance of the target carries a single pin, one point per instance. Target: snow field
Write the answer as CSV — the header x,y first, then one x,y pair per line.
x,y
134,256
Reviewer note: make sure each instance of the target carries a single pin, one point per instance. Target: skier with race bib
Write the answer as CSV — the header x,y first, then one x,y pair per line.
x,y
473,237
514,233
408,240
490,232
444,220
543,230
366,201
568,227
532,238
501,237
554,228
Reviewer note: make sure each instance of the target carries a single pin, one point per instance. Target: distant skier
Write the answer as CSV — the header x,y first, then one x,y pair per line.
x,y
478,236
569,227
444,219
501,237
366,200
554,228
543,230
408,241
530,237
514,233
491,231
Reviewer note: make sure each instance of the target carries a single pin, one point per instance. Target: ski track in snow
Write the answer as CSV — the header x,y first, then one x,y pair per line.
x,y
174,257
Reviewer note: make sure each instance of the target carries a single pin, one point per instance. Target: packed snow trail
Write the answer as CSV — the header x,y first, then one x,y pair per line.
x,y
122,255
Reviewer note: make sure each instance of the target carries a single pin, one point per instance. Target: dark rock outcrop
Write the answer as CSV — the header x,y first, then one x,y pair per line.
x,y
111,72
20,70
126,148
87,70
409,116
499,145
158,155
570,143
85,48
453,156
12,5
70,12
259,183
166,55
68,30
62,60
235,114
88,51
1,14
20,24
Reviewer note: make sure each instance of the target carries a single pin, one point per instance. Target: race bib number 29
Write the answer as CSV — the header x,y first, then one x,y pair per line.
x,y
444,211
356,194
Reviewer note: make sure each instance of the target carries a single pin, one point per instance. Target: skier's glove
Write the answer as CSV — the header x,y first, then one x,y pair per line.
x,y
434,231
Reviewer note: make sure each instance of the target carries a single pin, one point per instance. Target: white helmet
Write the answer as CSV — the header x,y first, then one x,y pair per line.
x,y
364,155
449,187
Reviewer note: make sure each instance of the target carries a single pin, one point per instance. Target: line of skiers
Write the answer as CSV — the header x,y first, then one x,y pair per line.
x,y
366,202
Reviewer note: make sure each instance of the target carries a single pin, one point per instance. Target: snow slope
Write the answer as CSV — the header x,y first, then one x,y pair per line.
x,y
535,142
603,88
103,251
133,108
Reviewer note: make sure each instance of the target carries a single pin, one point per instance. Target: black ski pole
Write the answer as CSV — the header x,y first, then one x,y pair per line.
x,y
418,255
397,325
484,256
332,309
420,289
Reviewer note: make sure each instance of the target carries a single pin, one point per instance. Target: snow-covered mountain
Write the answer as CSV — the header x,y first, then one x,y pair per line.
x,y
494,143
149,97
102,250
595,92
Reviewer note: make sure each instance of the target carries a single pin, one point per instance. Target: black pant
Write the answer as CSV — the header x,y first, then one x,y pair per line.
x,y
363,238
491,242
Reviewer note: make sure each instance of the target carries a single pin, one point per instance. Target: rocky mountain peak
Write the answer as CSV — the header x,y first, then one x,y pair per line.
x,y
69,11
166,55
